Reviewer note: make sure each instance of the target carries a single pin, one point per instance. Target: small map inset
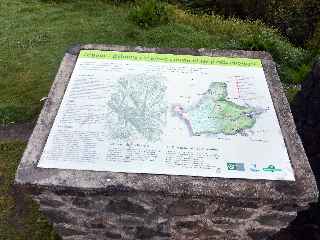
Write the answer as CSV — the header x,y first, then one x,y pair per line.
x,y
138,107
214,114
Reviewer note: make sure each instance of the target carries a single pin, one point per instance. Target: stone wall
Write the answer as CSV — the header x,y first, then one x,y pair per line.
x,y
157,216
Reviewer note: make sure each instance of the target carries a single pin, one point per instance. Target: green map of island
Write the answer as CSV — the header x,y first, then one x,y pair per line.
x,y
214,114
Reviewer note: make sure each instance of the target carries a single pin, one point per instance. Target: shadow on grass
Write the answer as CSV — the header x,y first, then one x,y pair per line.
x,y
20,218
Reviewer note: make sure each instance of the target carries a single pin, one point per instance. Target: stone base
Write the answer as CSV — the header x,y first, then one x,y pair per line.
x,y
86,205
157,216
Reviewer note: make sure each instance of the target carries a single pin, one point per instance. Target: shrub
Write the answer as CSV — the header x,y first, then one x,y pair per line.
x,y
291,93
314,42
151,13
292,62
296,19
118,2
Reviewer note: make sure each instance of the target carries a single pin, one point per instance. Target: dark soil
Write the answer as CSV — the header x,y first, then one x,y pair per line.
x,y
21,131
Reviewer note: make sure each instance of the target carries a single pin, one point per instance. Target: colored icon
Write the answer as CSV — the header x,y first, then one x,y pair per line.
x,y
235,167
271,168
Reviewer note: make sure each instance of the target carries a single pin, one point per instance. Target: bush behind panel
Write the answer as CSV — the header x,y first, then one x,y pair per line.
x,y
295,18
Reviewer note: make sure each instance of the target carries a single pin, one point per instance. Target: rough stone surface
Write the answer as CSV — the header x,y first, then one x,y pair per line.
x,y
143,215
106,205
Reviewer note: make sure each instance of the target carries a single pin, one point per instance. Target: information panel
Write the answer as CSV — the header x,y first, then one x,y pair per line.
x,y
168,114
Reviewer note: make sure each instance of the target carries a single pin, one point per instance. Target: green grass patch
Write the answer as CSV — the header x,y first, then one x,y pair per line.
x,y
35,34
291,93
20,218
254,35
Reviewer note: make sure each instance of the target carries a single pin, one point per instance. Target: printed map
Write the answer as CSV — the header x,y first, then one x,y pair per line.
x,y
168,114
137,106
215,114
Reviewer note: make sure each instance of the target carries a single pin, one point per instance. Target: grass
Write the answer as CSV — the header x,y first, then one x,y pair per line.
x,y
35,34
254,35
20,218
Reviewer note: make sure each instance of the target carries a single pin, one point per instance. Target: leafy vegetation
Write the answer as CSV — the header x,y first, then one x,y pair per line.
x,y
151,13
20,218
35,34
296,19
314,42
253,35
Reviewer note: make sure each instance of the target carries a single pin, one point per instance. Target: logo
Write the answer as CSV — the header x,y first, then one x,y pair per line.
x,y
235,167
253,168
271,168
